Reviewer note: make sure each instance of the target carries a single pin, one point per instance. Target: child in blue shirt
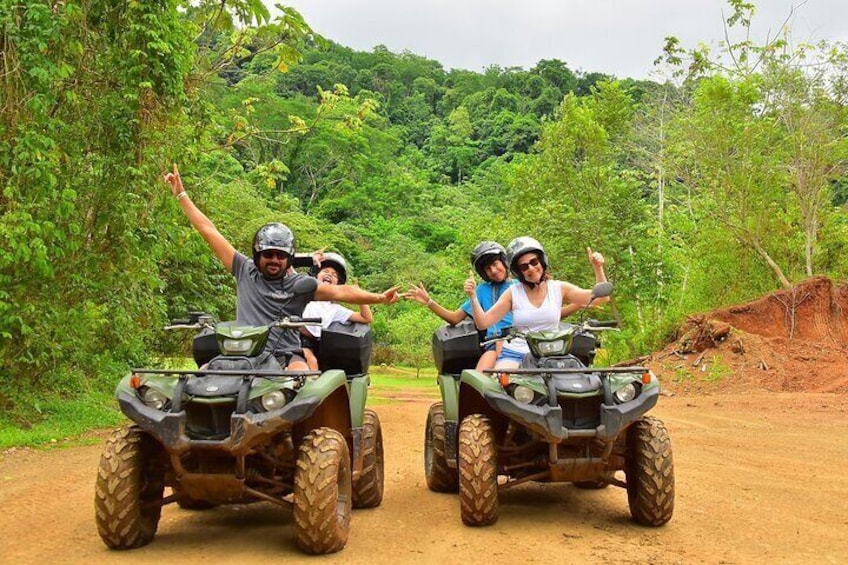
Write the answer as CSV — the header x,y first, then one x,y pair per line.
x,y
489,260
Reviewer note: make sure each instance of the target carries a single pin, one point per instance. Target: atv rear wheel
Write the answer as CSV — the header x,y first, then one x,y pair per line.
x,y
128,491
322,492
440,477
478,476
649,467
368,488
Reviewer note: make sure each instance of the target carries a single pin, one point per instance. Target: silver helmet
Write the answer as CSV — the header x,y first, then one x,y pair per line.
x,y
521,246
337,262
483,254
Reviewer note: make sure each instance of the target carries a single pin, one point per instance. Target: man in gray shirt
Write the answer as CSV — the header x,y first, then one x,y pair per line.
x,y
268,288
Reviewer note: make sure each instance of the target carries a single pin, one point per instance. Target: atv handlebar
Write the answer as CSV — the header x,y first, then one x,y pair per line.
x,y
497,339
508,334
295,322
287,323
598,324
183,325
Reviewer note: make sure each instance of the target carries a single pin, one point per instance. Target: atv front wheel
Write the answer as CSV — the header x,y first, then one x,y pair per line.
x,y
649,467
322,492
478,476
440,477
128,491
368,488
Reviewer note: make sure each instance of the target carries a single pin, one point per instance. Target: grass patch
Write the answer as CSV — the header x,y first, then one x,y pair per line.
x,y
717,370
388,381
59,419
400,377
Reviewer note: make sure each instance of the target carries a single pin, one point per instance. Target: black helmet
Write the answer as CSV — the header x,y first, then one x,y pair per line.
x,y
521,246
273,236
483,254
335,261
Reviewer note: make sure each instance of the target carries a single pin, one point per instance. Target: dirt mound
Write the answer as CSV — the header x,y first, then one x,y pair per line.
x,y
791,340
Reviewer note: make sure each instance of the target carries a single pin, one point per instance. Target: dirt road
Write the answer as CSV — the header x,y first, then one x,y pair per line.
x,y
760,478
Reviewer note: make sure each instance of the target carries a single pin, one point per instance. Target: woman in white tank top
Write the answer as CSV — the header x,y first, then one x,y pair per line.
x,y
536,303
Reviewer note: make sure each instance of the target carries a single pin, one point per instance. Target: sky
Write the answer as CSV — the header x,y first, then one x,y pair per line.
x,y
617,37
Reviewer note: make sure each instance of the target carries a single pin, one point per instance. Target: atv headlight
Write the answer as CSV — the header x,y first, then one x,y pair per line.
x,y
273,400
626,393
154,399
551,347
523,394
237,345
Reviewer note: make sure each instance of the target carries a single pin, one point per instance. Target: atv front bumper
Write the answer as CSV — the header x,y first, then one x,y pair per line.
x,y
246,430
547,420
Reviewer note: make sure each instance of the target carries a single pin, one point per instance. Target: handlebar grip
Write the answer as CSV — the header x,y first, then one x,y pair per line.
x,y
180,322
602,324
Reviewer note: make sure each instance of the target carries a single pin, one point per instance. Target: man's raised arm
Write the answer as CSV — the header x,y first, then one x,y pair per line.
x,y
204,226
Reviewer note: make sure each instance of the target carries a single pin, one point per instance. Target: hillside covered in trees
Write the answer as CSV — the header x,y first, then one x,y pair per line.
x,y
722,182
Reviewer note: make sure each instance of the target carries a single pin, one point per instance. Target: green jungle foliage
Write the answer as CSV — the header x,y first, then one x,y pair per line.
x,y
726,181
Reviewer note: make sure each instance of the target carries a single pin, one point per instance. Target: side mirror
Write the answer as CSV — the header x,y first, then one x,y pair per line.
x,y
600,290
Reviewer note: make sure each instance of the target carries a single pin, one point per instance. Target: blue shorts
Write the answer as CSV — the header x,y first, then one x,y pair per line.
x,y
490,347
509,355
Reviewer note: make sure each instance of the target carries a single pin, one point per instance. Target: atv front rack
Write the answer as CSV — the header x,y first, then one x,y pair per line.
x,y
565,371
233,373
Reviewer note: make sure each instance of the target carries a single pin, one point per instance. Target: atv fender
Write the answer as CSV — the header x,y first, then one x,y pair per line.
x,y
331,396
449,388
358,396
474,388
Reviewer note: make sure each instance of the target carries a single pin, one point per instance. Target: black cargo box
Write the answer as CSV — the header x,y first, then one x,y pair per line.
x,y
346,347
456,348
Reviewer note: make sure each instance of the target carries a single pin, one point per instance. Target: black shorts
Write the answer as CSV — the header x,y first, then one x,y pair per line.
x,y
285,359
310,342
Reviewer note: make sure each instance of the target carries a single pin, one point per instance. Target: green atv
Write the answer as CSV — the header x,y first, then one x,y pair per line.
x,y
240,429
554,419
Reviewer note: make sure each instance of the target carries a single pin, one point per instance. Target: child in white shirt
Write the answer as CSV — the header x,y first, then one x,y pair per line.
x,y
331,269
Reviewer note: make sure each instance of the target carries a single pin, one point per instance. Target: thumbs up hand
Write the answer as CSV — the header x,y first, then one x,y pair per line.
x,y
595,258
470,284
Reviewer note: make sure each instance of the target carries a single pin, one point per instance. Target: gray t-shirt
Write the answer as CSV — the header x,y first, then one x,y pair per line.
x,y
262,301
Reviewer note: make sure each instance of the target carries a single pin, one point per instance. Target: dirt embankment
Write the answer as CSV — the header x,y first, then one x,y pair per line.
x,y
793,340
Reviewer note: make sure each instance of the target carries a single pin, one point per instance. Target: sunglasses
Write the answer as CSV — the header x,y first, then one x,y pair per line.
x,y
524,267
274,254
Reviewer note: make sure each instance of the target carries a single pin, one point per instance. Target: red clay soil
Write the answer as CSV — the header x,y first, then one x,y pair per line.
x,y
793,340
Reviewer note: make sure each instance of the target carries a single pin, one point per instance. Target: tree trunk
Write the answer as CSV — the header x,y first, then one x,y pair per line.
x,y
778,272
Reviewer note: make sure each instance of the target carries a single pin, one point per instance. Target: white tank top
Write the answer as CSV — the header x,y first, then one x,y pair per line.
x,y
529,318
